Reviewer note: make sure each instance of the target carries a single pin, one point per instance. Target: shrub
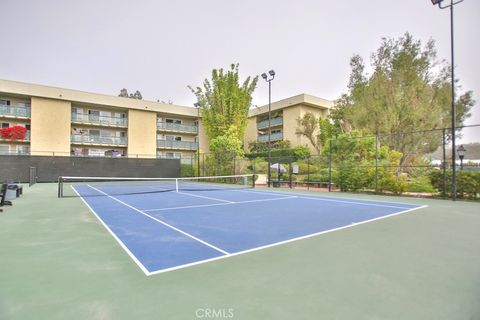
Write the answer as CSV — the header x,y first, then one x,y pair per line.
x,y
468,183
420,184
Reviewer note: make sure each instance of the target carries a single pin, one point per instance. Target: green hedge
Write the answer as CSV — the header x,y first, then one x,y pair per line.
x,y
468,183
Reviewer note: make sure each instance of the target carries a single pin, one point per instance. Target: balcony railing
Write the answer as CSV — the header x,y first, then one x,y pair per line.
x,y
273,122
15,111
167,126
273,137
173,144
27,137
88,139
102,120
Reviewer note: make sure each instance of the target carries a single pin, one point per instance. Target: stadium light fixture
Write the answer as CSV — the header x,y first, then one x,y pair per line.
x,y
269,80
453,112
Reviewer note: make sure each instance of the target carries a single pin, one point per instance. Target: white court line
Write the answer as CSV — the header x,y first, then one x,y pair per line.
x,y
162,222
308,196
124,247
218,204
282,242
210,198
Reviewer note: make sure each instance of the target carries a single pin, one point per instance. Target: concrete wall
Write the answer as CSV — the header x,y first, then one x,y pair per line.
x,y
50,127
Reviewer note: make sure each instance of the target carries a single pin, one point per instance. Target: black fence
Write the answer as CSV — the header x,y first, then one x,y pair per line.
x,y
18,168
406,163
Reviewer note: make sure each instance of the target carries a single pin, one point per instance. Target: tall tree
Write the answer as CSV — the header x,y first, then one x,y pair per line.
x,y
224,103
316,130
408,90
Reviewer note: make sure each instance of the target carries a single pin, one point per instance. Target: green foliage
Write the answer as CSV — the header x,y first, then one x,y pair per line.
x,y
404,93
468,183
308,126
421,184
124,93
283,155
188,170
258,146
224,102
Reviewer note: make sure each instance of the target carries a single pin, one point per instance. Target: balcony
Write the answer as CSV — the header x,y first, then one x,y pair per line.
x,y
273,137
173,144
99,120
273,122
167,126
14,111
26,139
88,139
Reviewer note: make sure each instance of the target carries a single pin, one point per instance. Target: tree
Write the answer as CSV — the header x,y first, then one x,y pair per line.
x,y
124,93
308,126
408,90
316,130
224,103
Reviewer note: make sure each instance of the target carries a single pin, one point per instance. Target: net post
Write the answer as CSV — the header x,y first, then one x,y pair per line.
x,y
60,186
176,185
254,175
376,162
330,166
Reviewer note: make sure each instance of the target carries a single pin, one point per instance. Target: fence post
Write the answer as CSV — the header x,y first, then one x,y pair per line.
x,y
444,165
308,173
254,173
203,169
198,163
330,166
376,162
234,165
290,173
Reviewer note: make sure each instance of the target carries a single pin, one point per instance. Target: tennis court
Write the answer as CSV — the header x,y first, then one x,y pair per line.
x,y
202,220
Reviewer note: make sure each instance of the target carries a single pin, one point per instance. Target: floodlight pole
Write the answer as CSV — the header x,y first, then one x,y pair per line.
x,y
197,105
269,80
454,167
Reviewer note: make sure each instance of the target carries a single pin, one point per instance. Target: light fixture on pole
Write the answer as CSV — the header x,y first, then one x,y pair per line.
x,y
197,105
269,80
453,112
461,154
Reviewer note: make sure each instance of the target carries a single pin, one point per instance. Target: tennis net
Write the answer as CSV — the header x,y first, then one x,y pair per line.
x,y
111,186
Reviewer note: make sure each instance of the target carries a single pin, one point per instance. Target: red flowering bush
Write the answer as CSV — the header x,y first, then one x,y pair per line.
x,y
13,133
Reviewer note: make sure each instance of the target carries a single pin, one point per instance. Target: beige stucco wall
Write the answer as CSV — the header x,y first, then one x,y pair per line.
x,y
50,127
203,138
142,134
251,133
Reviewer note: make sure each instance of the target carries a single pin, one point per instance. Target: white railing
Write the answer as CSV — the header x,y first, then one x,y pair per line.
x,y
173,144
273,137
167,126
103,120
88,139
273,122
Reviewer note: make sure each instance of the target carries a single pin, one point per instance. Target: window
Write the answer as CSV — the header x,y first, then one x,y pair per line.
x,y
5,102
277,131
4,149
173,155
5,124
94,132
23,149
175,121
173,138
23,104
93,115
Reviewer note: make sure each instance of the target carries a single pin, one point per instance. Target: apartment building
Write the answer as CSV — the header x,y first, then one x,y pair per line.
x,y
283,119
65,122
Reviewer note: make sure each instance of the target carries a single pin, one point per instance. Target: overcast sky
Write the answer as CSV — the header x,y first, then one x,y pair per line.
x,y
160,47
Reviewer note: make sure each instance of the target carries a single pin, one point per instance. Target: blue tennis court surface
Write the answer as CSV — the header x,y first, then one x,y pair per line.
x,y
169,230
